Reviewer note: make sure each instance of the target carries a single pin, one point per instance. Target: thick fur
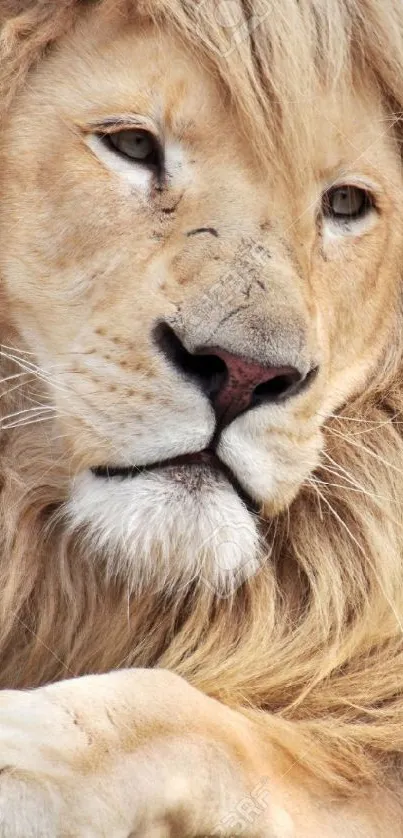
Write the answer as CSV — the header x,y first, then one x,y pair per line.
x,y
308,643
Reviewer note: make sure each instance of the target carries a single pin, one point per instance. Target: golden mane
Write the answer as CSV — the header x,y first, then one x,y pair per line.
x,y
316,638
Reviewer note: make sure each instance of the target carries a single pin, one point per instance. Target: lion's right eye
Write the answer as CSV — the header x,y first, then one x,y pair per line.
x,y
346,203
136,144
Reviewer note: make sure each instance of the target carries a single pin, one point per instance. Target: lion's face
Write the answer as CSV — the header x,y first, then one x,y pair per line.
x,y
180,299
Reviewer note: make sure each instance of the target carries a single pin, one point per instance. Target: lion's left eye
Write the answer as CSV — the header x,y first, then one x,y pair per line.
x,y
138,145
344,203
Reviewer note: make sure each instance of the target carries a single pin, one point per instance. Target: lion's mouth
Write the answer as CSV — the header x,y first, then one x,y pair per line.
x,y
206,460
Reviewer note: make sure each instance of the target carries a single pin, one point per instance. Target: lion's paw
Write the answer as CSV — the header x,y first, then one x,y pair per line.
x,y
123,755
43,792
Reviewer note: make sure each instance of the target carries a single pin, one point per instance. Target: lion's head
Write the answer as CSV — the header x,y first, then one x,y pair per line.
x,y
198,312
201,267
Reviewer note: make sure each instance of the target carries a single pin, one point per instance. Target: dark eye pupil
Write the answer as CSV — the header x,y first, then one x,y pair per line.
x,y
137,145
346,202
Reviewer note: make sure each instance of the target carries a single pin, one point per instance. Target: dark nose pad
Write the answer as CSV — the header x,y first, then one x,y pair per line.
x,y
233,383
245,383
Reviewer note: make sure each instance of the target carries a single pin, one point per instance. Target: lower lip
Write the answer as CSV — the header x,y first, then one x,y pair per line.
x,y
206,460
203,458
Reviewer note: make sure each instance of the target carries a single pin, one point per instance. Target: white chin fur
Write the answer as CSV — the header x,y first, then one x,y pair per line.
x,y
166,527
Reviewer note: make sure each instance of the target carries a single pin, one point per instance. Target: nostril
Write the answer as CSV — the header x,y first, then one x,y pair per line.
x,y
209,370
232,382
278,387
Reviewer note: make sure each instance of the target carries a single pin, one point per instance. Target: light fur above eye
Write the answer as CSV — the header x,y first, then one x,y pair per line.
x,y
347,202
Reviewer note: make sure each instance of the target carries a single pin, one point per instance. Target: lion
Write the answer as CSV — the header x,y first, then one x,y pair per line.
x,y
201,409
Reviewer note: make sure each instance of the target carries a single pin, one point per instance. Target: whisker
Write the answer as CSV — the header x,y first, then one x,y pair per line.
x,y
339,468
11,377
367,451
15,349
28,410
16,387
362,551
359,491
341,472
373,427
342,418
25,423
28,366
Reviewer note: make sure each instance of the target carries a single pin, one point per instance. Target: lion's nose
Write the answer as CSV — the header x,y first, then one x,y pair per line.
x,y
232,382
243,383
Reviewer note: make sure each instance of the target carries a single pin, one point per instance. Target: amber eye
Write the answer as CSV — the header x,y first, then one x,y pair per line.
x,y
346,203
136,144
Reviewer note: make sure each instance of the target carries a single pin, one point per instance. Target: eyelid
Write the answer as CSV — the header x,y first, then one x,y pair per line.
x,y
353,180
114,124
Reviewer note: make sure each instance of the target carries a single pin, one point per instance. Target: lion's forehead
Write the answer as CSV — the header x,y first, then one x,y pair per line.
x,y
98,73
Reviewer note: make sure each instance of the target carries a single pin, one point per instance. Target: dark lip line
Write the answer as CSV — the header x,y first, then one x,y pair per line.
x,y
204,459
